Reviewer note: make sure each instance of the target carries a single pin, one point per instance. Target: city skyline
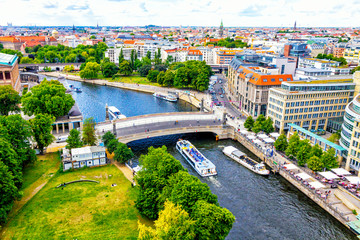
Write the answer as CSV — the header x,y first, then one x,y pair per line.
x,y
277,13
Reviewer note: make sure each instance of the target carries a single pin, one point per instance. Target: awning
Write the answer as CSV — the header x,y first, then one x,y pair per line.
x,y
275,134
250,136
268,140
328,175
353,180
257,141
340,171
262,136
244,132
290,166
316,184
303,176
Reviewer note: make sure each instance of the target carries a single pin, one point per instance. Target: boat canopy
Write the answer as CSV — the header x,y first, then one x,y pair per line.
x,y
231,150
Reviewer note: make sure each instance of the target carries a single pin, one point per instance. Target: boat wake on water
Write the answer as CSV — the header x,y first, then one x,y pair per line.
x,y
214,181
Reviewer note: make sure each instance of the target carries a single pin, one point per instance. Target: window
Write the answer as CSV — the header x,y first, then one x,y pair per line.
x,y
280,79
311,103
287,104
302,104
273,79
264,80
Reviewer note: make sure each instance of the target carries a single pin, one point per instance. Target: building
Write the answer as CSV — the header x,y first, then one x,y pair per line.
x,y
339,50
308,73
296,50
114,53
86,156
221,30
73,120
351,54
9,71
309,104
317,63
225,56
20,42
249,85
194,54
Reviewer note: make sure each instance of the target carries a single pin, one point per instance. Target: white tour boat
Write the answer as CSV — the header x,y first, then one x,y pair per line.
x,y
244,160
168,97
203,166
115,113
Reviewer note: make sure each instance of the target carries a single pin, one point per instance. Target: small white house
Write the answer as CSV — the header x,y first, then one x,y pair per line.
x,y
86,156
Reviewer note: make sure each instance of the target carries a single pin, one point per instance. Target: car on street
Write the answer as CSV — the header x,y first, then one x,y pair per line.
x,y
221,96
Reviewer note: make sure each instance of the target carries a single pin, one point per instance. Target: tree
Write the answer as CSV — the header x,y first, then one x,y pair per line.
x,y
169,79
42,127
268,126
8,191
212,222
49,97
125,68
89,136
160,67
261,119
292,149
9,100
158,57
173,223
26,60
148,54
303,153
1,46
107,137
160,78
122,153
257,127
145,61
281,143
109,69
133,58
112,145
315,151
74,139
121,56
71,58
144,70
90,71
169,60
69,68
92,37
328,159
249,123
152,75
315,164
181,77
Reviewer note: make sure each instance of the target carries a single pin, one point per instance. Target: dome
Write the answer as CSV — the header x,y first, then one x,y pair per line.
x,y
74,111
55,32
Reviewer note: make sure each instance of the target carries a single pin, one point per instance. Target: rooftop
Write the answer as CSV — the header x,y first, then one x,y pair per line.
x,y
7,59
332,81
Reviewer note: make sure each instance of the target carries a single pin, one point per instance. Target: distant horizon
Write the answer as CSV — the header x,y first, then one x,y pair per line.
x,y
205,13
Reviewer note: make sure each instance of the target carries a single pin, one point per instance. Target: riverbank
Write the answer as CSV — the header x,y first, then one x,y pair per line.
x,y
191,97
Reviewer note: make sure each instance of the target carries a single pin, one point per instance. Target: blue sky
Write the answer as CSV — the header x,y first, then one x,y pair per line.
x,y
181,12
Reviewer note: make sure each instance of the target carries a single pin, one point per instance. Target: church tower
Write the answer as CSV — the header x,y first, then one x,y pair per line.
x,y
295,26
73,29
221,31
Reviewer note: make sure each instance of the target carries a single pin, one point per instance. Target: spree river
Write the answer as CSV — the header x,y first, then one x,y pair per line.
x,y
264,207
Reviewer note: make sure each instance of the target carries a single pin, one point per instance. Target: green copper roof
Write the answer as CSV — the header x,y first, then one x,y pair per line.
x,y
7,59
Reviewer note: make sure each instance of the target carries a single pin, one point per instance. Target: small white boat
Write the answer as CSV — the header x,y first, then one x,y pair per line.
x,y
244,160
203,166
169,97
115,113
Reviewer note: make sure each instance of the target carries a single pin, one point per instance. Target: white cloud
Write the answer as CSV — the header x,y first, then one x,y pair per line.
x,y
180,12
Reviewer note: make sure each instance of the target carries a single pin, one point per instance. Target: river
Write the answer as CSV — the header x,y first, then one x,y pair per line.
x,y
264,207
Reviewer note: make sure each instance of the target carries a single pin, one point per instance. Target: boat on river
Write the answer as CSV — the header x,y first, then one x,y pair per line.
x,y
203,166
244,160
168,97
115,113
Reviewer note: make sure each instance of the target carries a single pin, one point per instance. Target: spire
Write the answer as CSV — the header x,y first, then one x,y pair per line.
x,y
221,30
295,26
73,29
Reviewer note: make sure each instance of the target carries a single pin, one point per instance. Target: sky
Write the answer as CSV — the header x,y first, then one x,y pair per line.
x,y
257,13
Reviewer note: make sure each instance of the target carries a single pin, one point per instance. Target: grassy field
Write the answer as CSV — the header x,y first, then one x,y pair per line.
x,y
80,210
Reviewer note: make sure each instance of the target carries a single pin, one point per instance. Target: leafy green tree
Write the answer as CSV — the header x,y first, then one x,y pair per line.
x,y
316,151
137,64
148,54
71,58
328,159
125,68
8,191
144,70
185,190
152,75
257,127
121,56
261,119
9,157
158,57
74,139
145,61
315,163
160,67
112,145
90,71
9,100
109,69
1,46
249,123
181,77
169,60
26,60
48,97
169,79
122,153
212,222
268,126
160,78
92,37
107,137
281,143
173,223
42,127
292,149
133,58
89,136
303,153
334,137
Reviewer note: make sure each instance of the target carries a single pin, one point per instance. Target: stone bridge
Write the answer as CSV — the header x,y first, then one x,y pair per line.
x,y
155,125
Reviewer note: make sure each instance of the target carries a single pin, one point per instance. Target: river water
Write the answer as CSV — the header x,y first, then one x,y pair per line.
x,y
264,207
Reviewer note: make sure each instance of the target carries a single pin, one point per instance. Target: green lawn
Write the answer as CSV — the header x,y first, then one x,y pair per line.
x,y
80,210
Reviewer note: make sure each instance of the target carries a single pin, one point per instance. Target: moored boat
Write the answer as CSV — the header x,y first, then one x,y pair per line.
x,y
203,166
244,160
168,97
115,113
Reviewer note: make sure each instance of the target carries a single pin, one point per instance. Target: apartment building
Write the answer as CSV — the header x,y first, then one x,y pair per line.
x,y
317,63
249,84
351,54
339,50
114,53
225,56
309,104
86,156
9,71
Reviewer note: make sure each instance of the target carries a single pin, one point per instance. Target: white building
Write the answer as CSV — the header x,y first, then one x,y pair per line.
x,y
114,53
86,156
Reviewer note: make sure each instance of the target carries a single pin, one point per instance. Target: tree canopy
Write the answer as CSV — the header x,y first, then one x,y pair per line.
x,y
88,135
48,97
281,143
9,100
122,153
74,139
125,68
90,71
42,126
